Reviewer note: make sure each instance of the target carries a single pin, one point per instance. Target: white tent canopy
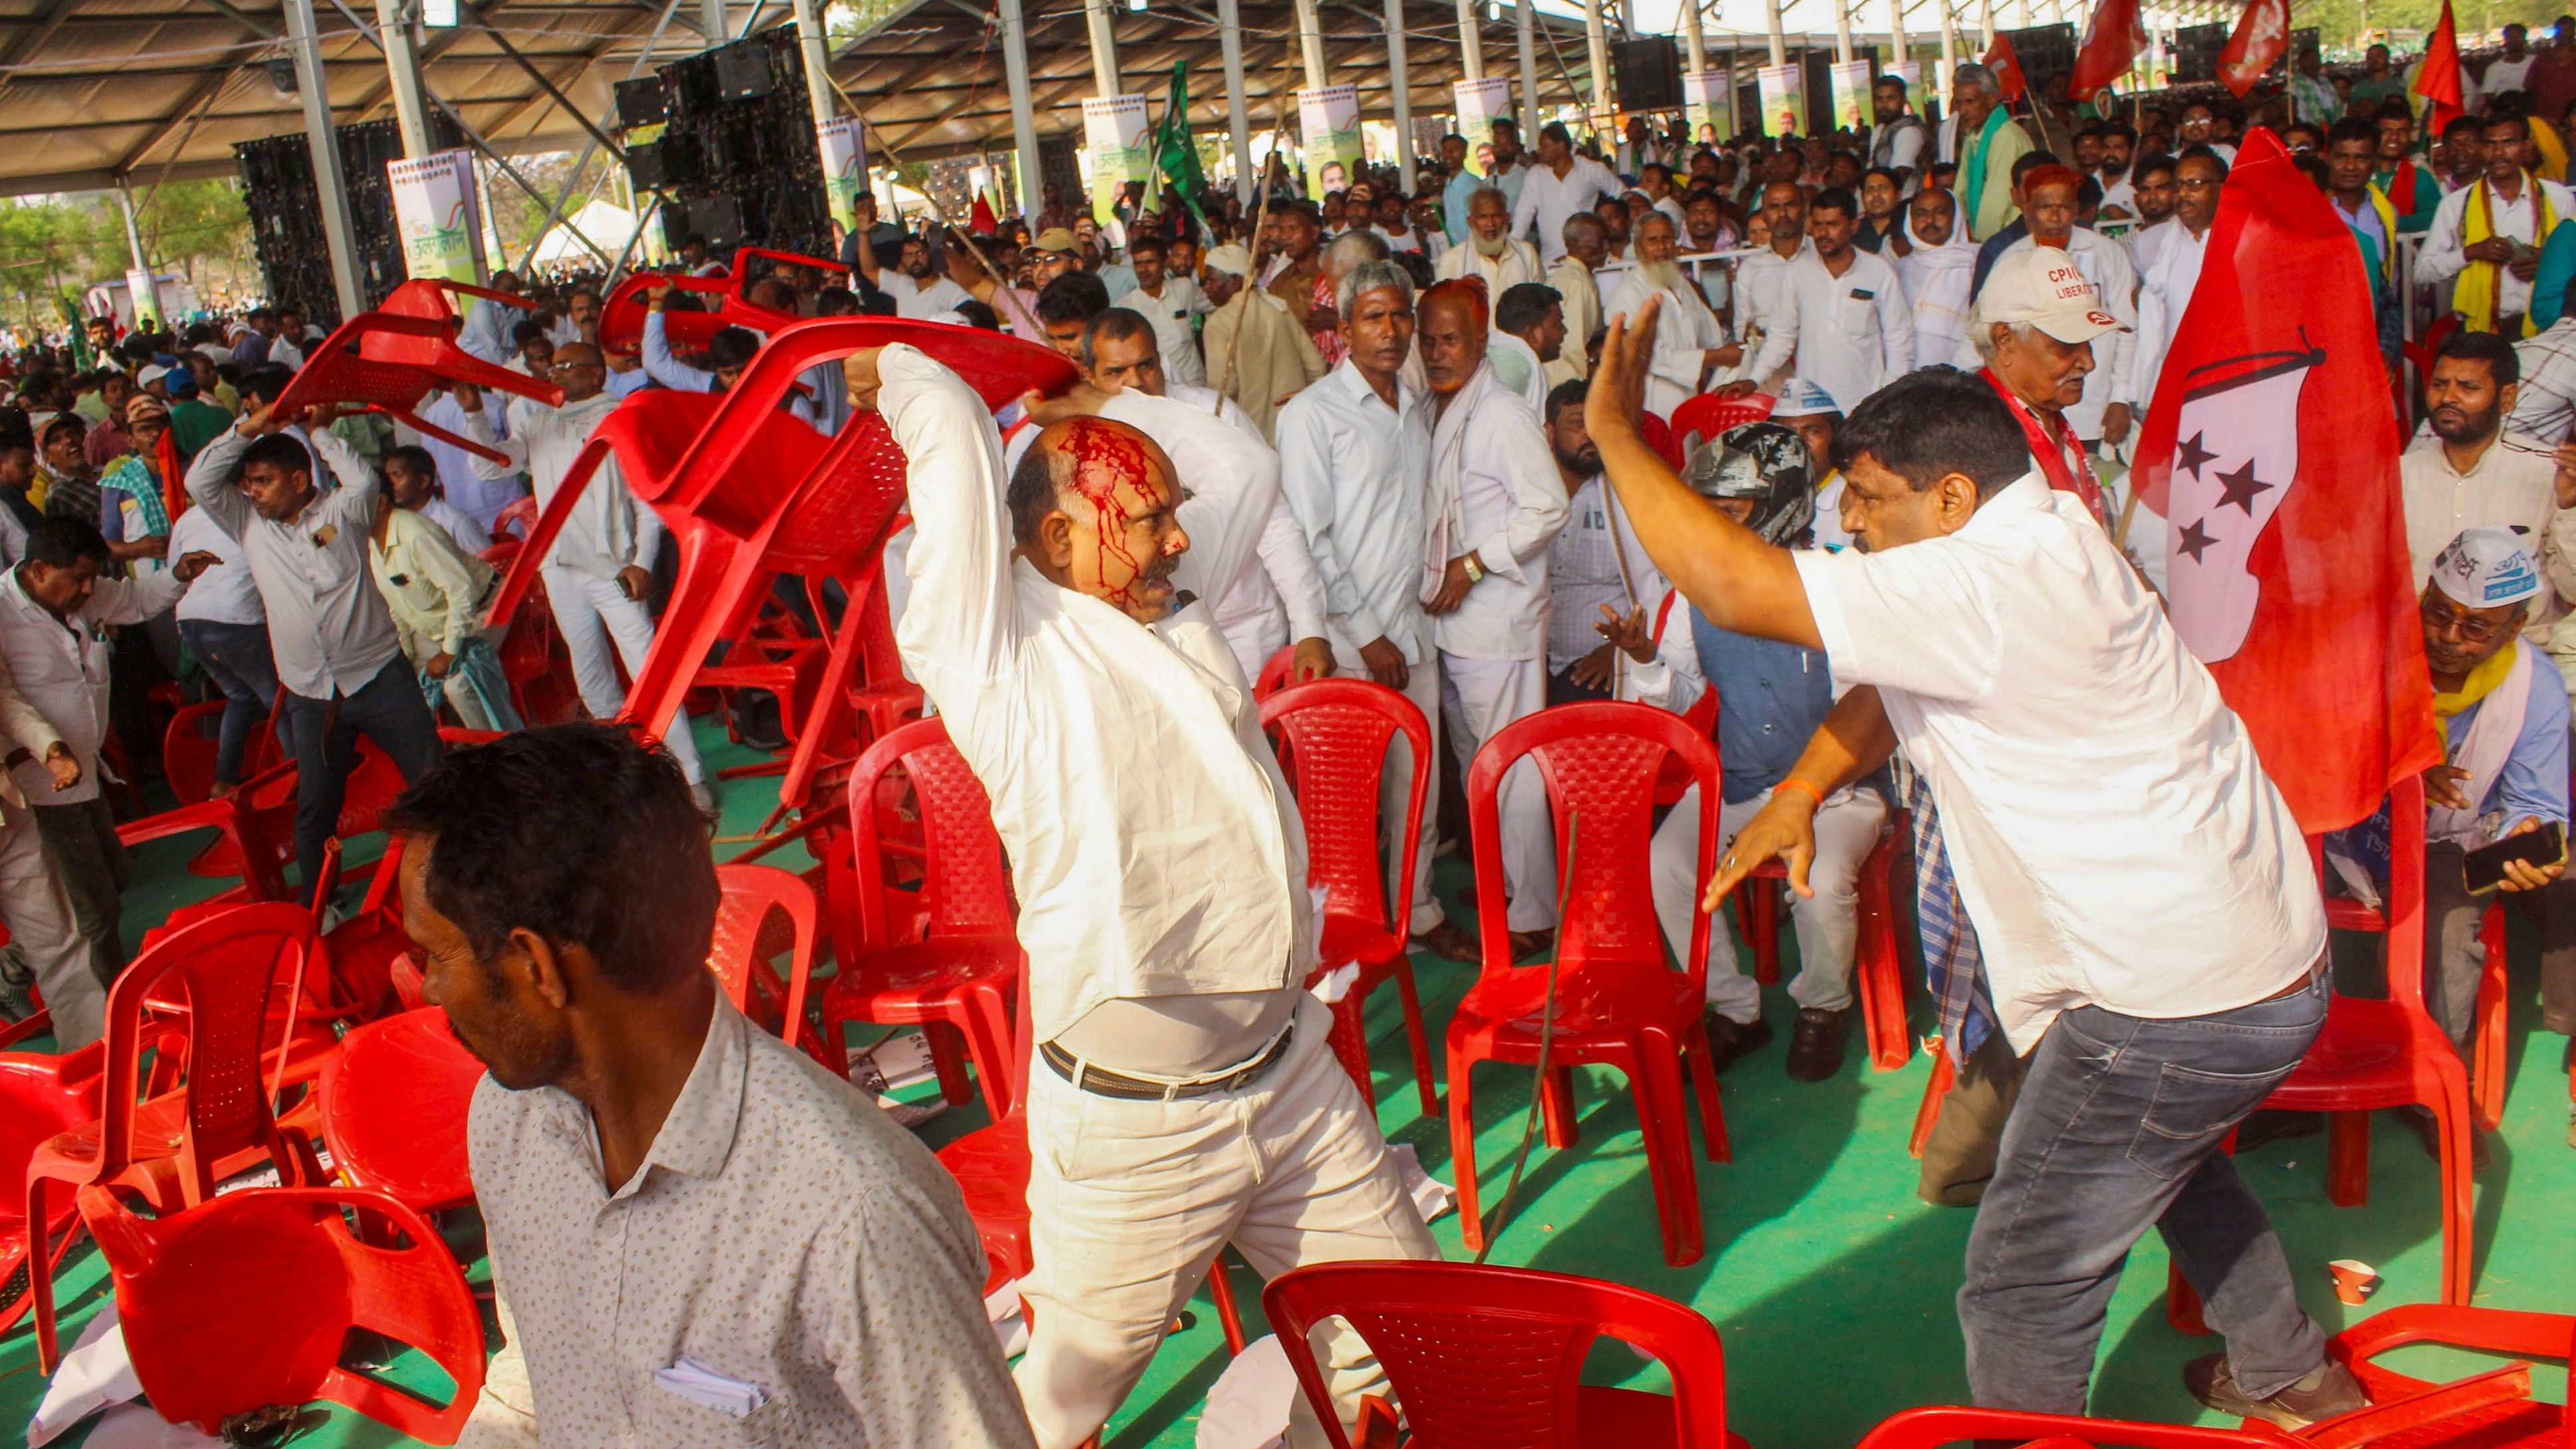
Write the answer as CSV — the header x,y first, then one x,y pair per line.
x,y
608,225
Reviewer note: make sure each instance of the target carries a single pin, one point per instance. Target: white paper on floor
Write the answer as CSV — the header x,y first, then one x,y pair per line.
x,y
1431,1197
132,1426
1248,1406
95,1374
1010,1325
892,1065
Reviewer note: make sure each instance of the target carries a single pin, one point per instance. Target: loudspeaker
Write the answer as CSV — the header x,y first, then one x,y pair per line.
x,y
2196,49
642,102
742,71
2046,53
1649,73
718,221
2303,46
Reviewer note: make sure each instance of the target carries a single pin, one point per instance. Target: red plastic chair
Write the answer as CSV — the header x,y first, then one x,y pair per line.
x,y
749,492
1333,736
41,1097
1276,671
247,1300
1878,973
1931,1428
172,1148
189,746
1488,1357
1659,436
746,943
386,360
621,315
394,1103
2487,1074
957,975
1708,417
1617,1002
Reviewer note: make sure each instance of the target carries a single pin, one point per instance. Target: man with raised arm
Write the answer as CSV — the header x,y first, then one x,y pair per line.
x,y
2126,897
1181,1094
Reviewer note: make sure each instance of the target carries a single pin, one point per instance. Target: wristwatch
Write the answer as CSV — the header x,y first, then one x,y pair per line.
x,y
1475,570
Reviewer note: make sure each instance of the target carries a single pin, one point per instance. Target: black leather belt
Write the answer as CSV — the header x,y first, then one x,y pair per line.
x,y
1103,1082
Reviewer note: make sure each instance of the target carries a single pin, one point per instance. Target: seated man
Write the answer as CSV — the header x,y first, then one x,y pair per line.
x,y
704,1237
1771,697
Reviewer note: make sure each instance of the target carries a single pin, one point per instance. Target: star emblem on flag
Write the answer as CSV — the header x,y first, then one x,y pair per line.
x,y
2239,425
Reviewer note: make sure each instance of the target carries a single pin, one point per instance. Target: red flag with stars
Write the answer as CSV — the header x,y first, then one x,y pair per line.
x,y
2269,459
2006,66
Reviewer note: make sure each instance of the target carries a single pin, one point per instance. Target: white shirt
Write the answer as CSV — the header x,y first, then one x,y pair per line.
x,y
327,625
2104,263
1993,649
2545,409
609,530
1154,847
1171,313
1546,201
1355,473
463,529
2443,258
2512,485
2163,293
1850,335
1684,331
225,593
1936,281
1596,560
1762,287
922,301
2122,192
1488,455
1519,263
2507,74
471,491
61,667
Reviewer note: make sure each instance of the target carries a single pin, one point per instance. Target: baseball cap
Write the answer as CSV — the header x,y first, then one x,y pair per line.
x,y
2486,568
2043,288
1230,259
150,375
1054,239
1803,399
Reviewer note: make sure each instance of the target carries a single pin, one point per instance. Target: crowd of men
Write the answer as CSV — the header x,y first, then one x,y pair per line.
x,y
1415,439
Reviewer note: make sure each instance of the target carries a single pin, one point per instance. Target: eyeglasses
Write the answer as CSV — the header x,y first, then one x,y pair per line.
x,y
2441,620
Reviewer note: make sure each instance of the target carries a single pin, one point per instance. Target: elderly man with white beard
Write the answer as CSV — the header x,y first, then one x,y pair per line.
x,y
1690,343
1491,252
1495,507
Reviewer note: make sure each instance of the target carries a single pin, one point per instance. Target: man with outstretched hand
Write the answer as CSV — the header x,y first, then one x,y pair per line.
x,y
2126,896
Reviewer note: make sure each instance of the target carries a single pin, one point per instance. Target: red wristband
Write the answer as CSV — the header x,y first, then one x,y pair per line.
x,y
1794,783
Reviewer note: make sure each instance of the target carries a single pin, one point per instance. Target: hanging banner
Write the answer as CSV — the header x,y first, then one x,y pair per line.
x,y
1851,81
1910,72
843,141
1784,98
1708,100
439,215
1328,118
142,297
1481,103
1119,143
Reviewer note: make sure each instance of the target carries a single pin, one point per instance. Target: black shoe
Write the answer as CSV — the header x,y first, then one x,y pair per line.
x,y
1816,1044
2328,1390
2271,1124
2428,1130
1729,1039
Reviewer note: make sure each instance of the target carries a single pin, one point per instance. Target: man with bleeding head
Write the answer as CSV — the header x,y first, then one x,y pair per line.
x,y
1181,1094
1494,508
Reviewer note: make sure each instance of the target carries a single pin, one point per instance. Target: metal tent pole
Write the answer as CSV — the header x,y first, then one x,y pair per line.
x,y
312,86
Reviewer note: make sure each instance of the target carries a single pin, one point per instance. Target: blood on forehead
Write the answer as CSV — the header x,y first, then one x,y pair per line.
x,y
1105,457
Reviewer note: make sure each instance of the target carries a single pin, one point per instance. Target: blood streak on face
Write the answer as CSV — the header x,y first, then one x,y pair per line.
x,y
1107,458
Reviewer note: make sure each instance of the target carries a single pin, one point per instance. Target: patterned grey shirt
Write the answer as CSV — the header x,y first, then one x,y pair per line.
x,y
783,1233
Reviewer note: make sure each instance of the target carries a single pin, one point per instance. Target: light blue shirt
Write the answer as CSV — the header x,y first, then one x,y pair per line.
x,y
2533,784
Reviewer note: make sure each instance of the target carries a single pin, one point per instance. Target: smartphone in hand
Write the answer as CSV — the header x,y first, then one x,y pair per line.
x,y
2482,869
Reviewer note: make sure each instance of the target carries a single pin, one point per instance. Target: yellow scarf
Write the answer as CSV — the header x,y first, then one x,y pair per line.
x,y
2476,295
2553,150
2479,683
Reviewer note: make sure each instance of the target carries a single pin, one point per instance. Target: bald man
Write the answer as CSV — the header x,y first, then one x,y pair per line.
x,y
1183,1094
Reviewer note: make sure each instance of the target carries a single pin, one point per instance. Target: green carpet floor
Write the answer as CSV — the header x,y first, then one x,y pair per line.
x,y
1830,1282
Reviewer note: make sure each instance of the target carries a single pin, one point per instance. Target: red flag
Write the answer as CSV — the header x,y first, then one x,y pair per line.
x,y
2437,79
2271,456
980,219
2006,66
2262,34
2113,39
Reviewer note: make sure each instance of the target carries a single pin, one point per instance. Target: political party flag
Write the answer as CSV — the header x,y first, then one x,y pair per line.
x,y
2270,459
2262,33
2006,66
1175,155
2113,40
2437,78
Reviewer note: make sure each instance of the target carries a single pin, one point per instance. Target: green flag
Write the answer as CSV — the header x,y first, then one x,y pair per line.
x,y
1174,153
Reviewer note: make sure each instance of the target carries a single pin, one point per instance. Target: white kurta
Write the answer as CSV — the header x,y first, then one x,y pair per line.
x,y
1686,329
1850,335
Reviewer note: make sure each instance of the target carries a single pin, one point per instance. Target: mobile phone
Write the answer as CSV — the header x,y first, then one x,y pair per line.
x,y
2482,869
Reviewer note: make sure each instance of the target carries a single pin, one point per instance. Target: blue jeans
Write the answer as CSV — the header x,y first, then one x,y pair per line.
x,y
2118,1129
387,709
236,658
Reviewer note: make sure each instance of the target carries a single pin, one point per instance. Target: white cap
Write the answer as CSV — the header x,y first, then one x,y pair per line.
x,y
2486,568
2043,288
1230,259
1800,398
150,374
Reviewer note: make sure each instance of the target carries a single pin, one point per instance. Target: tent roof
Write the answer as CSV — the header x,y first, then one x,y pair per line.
x,y
99,91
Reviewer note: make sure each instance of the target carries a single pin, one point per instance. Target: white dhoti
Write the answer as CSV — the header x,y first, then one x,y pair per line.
x,y
1479,697
1130,1202
1828,923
